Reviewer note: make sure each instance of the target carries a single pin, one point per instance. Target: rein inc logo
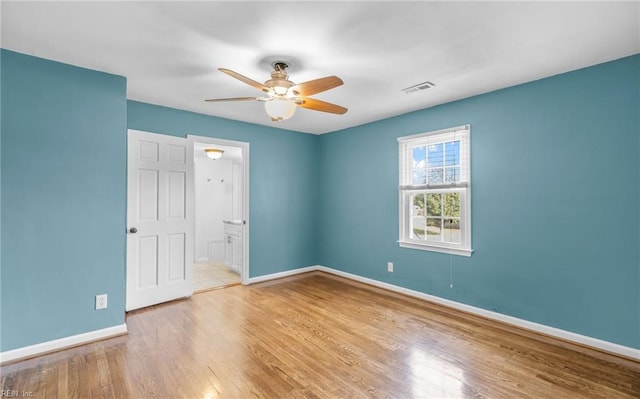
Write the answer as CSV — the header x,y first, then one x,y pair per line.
x,y
13,393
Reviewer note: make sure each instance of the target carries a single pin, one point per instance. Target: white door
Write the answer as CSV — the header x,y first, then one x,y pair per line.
x,y
159,219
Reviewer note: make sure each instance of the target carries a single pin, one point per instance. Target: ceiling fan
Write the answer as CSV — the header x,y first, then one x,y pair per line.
x,y
284,96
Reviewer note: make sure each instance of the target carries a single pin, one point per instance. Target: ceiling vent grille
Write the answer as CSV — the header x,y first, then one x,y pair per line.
x,y
418,87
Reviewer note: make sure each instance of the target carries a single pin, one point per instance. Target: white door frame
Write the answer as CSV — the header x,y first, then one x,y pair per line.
x,y
191,139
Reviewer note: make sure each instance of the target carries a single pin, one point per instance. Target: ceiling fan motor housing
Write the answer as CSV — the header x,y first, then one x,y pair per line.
x,y
279,82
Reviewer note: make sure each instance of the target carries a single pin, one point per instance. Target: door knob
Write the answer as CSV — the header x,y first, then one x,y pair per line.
x,y
133,230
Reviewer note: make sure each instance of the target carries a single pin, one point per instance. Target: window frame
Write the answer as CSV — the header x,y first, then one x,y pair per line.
x,y
406,188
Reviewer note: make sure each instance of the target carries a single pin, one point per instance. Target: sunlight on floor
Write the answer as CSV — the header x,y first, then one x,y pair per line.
x,y
434,378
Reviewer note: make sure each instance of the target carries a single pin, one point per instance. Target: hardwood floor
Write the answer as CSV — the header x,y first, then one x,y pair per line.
x,y
320,336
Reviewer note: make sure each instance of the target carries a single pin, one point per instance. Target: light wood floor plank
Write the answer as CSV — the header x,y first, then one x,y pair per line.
x,y
321,336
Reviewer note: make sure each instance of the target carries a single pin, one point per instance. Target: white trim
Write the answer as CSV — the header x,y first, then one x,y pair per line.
x,y
287,273
435,248
61,343
584,340
442,187
92,336
525,324
412,137
244,146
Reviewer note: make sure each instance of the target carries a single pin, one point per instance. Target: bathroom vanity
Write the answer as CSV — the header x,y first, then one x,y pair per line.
x,y
233,244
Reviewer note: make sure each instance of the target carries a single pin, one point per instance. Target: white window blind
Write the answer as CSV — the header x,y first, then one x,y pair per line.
x,y
436,159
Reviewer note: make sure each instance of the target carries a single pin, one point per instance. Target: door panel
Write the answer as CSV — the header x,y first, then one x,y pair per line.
x,y
176,256
147,194
177,194
148,151
147,261
176,154
159,219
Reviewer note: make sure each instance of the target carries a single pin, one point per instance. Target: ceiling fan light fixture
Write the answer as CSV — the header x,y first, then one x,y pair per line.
x,y
280,90
213,153
284,96
280,109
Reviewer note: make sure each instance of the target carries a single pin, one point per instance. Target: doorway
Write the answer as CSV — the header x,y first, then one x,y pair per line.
x,y
220,226
161,217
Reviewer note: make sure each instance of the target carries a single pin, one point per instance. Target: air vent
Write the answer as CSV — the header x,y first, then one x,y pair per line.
x,y
418,87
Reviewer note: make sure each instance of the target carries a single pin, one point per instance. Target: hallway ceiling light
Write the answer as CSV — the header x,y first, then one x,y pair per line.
x,y
213,153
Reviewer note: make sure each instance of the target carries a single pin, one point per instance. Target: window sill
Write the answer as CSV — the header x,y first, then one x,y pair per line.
x,y
435,248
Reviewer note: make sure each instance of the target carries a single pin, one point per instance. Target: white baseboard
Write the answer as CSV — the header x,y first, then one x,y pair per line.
x,y
287,273
62,343
525,324
75,340
584,340
202,260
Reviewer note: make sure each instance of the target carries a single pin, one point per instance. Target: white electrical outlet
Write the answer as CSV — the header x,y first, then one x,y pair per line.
x,y
101,301
390,267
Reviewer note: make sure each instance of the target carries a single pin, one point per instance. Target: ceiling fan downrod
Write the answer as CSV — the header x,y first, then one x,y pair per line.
x,y
279,70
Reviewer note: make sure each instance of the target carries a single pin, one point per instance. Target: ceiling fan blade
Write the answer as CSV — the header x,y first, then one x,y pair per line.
x,y
245,79
232,99
315,86
317,105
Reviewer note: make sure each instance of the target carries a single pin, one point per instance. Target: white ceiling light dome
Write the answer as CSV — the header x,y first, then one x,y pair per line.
x,y
279,108
214,153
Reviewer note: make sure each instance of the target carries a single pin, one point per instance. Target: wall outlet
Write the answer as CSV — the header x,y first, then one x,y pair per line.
x,y
101,301
390,267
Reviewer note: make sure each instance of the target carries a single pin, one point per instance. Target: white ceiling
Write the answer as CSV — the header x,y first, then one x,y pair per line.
x,y
170,51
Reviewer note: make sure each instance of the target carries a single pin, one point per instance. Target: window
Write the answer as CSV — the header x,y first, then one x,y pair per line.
x,y
435,191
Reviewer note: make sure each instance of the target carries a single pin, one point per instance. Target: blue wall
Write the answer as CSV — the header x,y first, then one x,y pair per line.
x,y
63,199
64,195
284,195
555,202
556,188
